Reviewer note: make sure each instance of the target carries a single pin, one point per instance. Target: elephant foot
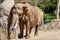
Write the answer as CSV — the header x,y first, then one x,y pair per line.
x,y
27,37
8,38
20,36
36,34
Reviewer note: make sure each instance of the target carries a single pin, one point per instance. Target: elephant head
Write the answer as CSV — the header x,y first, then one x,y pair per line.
x,y
21,10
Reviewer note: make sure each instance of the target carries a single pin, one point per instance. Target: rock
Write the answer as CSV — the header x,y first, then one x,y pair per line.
x,y
7,4
53,25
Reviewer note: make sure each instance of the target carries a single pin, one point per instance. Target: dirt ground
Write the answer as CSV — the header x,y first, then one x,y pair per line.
x,y
44,35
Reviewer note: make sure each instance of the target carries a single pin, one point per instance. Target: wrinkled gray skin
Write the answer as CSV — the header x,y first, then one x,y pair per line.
x,y
28,15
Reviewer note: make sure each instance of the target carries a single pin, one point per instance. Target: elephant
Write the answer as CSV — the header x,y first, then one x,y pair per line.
x,y
15,11
28,15
32,17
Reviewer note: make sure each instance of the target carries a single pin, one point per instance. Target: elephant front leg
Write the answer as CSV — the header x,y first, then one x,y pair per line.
x,y
27,30
11,27
21,30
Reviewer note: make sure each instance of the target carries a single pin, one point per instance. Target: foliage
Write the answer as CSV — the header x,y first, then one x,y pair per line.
x,y
48,17
49,7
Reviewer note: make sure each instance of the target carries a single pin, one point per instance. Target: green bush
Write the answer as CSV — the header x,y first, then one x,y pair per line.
x,y
48,17
48,9
42,6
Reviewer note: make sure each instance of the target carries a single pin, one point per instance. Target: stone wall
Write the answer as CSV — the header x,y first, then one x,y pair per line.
x,y
3,23
5,7
53,25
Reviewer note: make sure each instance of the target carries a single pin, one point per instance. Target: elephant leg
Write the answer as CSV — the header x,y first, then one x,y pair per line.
x,y
21,30
8,33
30,30
13,22
27,30
36,30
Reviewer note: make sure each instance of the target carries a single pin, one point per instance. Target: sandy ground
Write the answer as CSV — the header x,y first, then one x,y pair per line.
x,y
44,35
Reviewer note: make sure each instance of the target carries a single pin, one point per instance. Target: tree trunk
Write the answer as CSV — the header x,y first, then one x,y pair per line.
x,y
58,9
35,1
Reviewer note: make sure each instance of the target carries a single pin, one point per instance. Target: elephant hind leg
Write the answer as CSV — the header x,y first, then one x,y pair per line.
x,y
36,30
30,30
